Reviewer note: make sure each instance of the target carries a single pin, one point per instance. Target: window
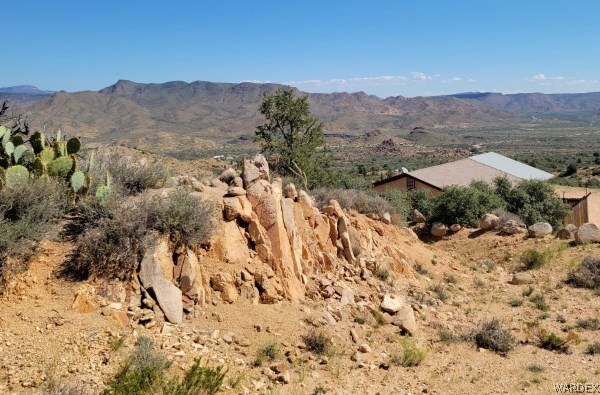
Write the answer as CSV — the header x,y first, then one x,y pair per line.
x,y
410,183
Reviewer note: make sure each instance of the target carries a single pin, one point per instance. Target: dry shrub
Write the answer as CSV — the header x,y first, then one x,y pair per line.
x,y
112,248
364,202
587,274
492,336
130,175
27,213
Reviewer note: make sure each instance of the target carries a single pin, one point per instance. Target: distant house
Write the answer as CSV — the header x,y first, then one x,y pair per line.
x,y
462,172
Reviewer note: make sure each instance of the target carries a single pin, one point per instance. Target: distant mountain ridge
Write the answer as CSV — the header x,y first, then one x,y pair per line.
x,y
200,115
25,90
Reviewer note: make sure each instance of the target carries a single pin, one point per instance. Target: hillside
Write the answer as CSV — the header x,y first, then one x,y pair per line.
x,y
206,115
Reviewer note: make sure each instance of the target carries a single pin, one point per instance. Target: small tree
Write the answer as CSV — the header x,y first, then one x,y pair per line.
x,y
291,138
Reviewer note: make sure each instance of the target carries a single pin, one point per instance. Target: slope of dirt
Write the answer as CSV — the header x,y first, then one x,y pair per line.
x,y
43,340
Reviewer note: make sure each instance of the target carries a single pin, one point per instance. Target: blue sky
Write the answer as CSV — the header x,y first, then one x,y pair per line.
x,y
383,47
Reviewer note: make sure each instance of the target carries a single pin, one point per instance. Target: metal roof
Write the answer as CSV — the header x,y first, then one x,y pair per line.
x,y
461,172
512,167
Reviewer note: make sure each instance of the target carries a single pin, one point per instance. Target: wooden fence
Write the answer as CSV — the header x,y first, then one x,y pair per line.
x,y
579,211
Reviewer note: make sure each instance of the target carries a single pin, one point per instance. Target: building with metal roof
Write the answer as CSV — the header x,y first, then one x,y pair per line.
x,y
484,167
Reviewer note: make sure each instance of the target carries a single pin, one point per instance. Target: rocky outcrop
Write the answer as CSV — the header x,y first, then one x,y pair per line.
x,y
588,233
272,244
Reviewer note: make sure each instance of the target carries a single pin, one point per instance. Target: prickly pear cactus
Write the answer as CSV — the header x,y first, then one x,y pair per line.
x,y
77,181
60,166
16,175
18,152
46,156
38,142
104,191
73,146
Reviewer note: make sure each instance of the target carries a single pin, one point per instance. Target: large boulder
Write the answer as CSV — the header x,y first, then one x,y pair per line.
x,y
567,233
157,263
256,168
169,299
489,222
588,233
512,227
438,229
540,229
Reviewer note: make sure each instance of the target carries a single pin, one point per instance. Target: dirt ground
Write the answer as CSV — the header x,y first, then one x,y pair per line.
x,y
43,341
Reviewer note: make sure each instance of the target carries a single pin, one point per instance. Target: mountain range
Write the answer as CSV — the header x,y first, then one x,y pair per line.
x,y
171,116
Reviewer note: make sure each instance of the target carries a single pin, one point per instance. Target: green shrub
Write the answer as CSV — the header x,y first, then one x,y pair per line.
x,y
317,342
492,336
383,274
534,368
554,342
142,371
587,274
540,302
145,371
269,351
411,354
592,324
400,202
464,205
182,214
379,320
533,259
593,349
422,200
532,200
516,302
440,292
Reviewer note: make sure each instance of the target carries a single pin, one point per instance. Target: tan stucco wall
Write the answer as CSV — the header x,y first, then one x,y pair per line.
x,y
401,184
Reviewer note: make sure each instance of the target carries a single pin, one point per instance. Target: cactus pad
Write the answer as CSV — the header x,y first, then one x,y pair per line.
x,y
46,156
16,175
73,146
77,181
61,166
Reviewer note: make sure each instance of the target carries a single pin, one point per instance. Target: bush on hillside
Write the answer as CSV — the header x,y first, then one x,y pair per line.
x,y
145,372
464,205
364,202
400,201
492,336
422,200
532,200
587,274
27,213
129,175
111,248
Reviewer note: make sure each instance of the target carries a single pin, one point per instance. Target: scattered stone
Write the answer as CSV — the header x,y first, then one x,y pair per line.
x,y
236,191
438,229
418,217
83,303
455,228
392,303
521,278
386,218
540,229
405,320
364,348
